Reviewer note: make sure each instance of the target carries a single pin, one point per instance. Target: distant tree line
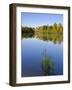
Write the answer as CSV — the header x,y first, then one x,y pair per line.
x,y
28,32
50,29
53,32
45,32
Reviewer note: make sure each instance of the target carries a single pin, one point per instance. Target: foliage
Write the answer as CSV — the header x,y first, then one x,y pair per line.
x,y
46,32
53,33
47,66
27,32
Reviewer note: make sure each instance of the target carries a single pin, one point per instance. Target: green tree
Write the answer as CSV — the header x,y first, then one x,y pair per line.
x,y
60,28
54,28
27,32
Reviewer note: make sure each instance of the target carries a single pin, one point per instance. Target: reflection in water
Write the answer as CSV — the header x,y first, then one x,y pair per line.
x,y
56,38
50,62
52,33
40,58
27,32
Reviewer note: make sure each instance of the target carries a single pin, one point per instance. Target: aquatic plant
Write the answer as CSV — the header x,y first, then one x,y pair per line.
x,y
48,66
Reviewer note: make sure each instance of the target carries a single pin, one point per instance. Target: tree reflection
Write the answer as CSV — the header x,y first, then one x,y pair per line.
x,y
46,33
52,33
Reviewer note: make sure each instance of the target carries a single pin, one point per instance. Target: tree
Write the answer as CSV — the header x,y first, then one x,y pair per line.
x,y
55,26
28,32
60,28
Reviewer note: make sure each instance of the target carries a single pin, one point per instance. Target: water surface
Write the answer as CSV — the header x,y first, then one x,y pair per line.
x,y
32,50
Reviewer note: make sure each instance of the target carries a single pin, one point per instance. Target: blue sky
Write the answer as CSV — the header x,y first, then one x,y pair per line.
x,y
38,19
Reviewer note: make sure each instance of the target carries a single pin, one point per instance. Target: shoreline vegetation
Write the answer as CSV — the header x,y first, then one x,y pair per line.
x,y
45,32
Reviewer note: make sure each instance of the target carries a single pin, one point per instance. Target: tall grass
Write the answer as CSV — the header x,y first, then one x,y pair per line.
x,y
47,64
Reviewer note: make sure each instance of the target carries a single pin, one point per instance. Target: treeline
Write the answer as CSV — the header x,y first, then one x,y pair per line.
x,y
28,32
53,33
45,29
46,32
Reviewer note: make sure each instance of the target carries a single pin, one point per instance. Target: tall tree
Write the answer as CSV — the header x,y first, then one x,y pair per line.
x,y
54,27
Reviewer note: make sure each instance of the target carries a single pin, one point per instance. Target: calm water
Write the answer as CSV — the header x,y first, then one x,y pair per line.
x,y
32,55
